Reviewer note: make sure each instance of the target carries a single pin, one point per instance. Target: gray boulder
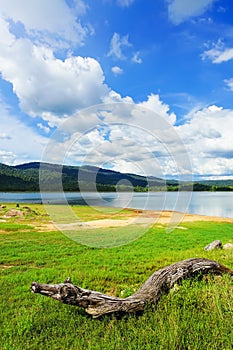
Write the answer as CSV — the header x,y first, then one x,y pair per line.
x,y
228,246
214,245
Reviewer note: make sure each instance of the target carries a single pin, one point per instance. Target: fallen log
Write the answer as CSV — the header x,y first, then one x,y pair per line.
x,y
160,282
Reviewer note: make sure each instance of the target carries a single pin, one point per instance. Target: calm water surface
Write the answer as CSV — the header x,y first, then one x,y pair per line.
x,y
204,203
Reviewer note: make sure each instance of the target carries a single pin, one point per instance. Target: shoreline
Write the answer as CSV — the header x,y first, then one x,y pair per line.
x,y
97,220
155,217
144,218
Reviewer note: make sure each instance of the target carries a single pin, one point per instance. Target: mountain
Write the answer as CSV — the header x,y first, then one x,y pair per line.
x,y
26,177
13,179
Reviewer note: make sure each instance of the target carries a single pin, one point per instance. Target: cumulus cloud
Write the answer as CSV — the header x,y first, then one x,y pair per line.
x,y
48,22
47,84
181,10
117,70
127,136
218,53
122,135
207,136
117,45
114,97
123,147
135,139
154,103
17,140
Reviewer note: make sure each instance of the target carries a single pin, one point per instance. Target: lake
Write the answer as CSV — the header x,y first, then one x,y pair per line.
x,y
204,203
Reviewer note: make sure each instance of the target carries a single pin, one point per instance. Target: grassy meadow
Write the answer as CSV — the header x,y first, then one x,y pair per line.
x,y
194,315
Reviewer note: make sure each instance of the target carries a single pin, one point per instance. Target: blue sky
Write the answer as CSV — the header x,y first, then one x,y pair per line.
x,y
93,82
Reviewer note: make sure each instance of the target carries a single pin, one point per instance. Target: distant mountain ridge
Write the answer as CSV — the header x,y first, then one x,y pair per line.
x,y
25,177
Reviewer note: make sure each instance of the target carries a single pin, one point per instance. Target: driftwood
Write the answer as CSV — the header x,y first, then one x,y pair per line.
x,y
160,282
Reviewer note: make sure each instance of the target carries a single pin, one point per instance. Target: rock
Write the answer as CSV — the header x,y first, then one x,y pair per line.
x,y
214,245
28,210
228,246
13,212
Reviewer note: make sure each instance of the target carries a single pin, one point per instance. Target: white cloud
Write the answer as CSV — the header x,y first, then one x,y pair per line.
x,y
229,83
218,53
47,84
208,138
46,129
157,106
122,49
114,97
51,22
117,45
136,58
126,149
141,143
120,134
125,3
19,143
4,136
224,56
181,10
80,7
131,137
6,157
117,70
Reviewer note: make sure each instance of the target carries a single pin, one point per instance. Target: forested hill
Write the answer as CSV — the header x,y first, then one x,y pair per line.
x,y
25,177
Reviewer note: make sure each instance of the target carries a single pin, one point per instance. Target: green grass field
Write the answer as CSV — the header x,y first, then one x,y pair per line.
x,y
195,315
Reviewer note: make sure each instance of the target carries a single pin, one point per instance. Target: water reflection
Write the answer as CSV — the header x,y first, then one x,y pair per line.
x,y
204,203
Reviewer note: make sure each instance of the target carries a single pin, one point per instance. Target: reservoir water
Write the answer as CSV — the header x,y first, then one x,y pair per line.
x,y
203,203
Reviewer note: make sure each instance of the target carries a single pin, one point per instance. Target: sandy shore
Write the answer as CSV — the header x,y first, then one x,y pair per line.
x,y
154,217
138,217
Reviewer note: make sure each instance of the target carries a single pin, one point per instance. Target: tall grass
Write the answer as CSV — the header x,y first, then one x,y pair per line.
x,y
195,315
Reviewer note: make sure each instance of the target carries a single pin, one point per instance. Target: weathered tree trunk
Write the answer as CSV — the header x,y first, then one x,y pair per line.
x,y
160,282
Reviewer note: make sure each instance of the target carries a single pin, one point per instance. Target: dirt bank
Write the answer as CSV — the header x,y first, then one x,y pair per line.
x,y
142,217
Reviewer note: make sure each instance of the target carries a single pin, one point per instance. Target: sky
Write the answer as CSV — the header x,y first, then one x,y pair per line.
x,y
138,86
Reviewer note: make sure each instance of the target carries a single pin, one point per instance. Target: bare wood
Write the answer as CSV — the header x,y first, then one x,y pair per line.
x,y
160,282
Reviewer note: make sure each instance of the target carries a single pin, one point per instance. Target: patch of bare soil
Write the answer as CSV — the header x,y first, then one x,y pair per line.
x,y
165,216
152,217
144,218
46,227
